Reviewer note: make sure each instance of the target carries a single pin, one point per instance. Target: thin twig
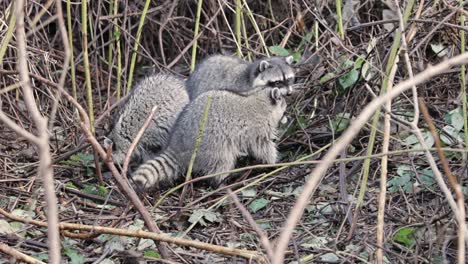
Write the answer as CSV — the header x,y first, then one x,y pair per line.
x,y
136,140
451,179
18,255
247,216
384,170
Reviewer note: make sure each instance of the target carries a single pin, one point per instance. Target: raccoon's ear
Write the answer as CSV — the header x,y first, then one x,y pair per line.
x,y
263,66
289,59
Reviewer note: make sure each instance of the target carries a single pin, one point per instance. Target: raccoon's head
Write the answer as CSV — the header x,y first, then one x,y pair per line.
x,y
273,72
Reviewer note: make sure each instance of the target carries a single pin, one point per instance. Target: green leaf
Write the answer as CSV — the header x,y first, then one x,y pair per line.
x,y
75,257
263,224
403,180
297,56
341,122
358,63
279,51
152,254
102,191
329,258
200,215
80,159
346,63
258,204
249,193
42,257
439,49
405,236
455,118
71,185
413,141
107,261
453,133
427,177
5,228
327,77
349,79
305,39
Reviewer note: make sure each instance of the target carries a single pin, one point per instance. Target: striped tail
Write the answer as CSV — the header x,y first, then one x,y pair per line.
x,y
161,169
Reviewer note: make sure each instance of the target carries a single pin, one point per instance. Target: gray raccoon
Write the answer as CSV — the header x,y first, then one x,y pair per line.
x,y
168,94
236,126
220,72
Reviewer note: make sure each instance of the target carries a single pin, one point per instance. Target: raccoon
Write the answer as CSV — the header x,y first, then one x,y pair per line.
x,y
236,126
168,94
220,72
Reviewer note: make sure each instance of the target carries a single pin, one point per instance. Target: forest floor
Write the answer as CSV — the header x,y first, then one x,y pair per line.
x,y
339,73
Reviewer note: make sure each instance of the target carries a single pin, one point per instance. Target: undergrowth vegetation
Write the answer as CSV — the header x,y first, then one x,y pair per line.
x,y
344,59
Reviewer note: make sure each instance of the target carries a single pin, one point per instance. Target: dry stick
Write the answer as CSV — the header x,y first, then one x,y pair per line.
x,y
45,171
253,255
136,140
247,216
66,61
317,174
384,170
460,214
18,255
451,179
188,175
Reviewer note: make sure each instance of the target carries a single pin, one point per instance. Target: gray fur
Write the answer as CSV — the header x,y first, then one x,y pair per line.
x,y
220,72
236,126
164,91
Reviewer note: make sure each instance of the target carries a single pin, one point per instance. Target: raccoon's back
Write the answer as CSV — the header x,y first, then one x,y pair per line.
x,y
217,72
164,91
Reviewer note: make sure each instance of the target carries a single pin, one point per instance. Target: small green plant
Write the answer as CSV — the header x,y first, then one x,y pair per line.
x,y
354,72
406,236
82,160
150,253
407,176
341,122
95,190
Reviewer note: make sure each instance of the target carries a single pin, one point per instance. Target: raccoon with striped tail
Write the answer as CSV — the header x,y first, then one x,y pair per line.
x,y
221,72
236,126
165,91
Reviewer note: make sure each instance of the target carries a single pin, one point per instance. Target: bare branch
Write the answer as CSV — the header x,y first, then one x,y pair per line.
x,y
21,131
45,170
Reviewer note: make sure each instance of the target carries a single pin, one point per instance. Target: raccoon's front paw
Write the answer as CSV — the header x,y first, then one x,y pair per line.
x,y
284,120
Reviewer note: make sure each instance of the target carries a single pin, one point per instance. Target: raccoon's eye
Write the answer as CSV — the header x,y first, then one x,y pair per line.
x,y
277,83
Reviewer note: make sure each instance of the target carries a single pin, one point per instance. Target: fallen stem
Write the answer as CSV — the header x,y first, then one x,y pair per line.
x,y
251,255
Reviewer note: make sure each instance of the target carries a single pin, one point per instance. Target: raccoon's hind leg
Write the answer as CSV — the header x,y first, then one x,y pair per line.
x,y
265,151
221,164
